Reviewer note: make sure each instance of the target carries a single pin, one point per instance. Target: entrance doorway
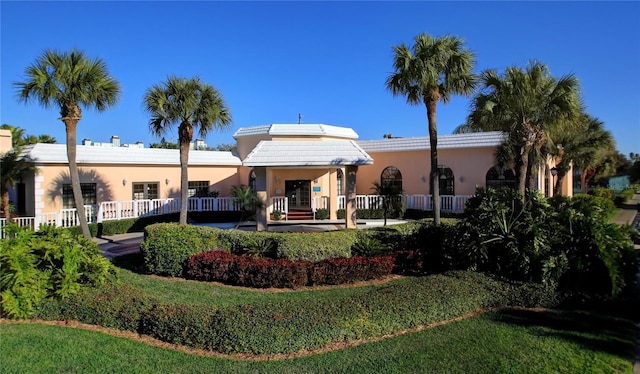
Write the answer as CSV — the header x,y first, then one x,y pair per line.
x,y
298,193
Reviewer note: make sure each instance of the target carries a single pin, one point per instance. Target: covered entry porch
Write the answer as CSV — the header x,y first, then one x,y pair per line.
x,y
304,176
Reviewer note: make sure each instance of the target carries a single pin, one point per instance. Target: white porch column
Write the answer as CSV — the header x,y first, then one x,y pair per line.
x,y
333,194
261,188
350,195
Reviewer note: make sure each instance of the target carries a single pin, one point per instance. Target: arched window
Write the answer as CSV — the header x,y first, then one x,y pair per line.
x,y
447,181
391,175
340,186
500,177
252,180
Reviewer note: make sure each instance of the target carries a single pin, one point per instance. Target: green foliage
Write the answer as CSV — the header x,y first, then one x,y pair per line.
x,y
603,192
277,215
322,214
167,246
50,262
287,326
368,245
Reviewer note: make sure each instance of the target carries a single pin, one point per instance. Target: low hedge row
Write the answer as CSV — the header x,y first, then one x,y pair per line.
x,y
287,326
126,225
249,271
167,247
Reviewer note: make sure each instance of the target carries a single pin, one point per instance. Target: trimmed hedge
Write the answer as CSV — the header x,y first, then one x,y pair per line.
x,y
282,273
297,324
167,246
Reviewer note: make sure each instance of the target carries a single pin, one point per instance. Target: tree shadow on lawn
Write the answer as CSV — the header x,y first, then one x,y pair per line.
x,y
133,262
597,332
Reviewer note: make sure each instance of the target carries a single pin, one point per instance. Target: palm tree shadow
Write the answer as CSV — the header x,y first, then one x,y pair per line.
x,y
597,332
103,186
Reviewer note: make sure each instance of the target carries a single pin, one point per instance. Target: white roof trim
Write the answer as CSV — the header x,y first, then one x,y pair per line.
x,y
57,154
297,130
455,141
307,153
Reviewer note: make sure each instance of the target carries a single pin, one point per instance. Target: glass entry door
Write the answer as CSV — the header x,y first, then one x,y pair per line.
x,y
298,193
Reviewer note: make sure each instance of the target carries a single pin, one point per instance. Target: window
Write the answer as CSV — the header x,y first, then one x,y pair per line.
x,y
252,180
500,177
88,195
391,175
145,190
198,189
447,181
340,186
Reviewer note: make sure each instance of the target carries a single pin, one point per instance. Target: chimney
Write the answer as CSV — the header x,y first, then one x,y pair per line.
x,y
115,140
86,141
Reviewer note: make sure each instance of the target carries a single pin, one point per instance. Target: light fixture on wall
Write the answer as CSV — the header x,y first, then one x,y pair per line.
x,y
124,182
277,179
166,181
423,179
461,179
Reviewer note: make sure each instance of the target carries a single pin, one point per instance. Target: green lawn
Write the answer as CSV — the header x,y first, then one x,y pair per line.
x,y
497,342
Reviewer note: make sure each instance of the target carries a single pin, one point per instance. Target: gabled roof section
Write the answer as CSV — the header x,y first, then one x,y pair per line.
x,y
297,130
57,153
455,141
307,153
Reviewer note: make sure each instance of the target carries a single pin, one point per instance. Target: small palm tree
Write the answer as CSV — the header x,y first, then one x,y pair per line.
x,y
70,81
12,169
431,71
247,199
530,106
189,103
391,195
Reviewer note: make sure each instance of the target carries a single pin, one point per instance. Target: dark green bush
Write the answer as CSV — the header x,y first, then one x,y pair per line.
x,y
322,214
167,246
297,324
605,192
49,263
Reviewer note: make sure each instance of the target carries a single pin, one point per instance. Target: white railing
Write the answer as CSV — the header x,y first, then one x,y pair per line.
x,y
279,204
116,210
29,222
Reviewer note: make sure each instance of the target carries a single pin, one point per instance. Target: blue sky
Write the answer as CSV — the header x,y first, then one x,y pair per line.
x,y
326,60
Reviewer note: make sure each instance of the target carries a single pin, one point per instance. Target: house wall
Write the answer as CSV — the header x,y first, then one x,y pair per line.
x,y
469,167
115,182
5,141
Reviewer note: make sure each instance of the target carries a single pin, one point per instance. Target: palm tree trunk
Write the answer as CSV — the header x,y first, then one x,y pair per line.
x,y
5,205
558,184
430,102
184,181
522,174
185,134
71,122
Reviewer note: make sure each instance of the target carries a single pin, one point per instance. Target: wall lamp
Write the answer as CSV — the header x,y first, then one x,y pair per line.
x,y
124,182
166,181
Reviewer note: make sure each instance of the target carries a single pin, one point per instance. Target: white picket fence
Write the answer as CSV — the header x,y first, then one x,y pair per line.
x,y
116,210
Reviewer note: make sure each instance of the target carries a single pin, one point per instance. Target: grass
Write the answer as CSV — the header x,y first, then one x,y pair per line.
x,y
512,341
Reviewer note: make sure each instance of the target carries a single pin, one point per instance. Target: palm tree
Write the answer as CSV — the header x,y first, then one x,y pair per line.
x,y
69,81
391,195
432,70
12,169
529,105
189,103
247,199
581,146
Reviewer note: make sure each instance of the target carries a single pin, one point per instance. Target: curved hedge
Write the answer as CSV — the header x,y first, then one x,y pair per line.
x,y
300,324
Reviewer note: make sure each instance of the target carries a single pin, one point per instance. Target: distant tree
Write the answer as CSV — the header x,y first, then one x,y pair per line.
x,y
432,70
164,144
69,81
12,169
529,106
225,147
189,103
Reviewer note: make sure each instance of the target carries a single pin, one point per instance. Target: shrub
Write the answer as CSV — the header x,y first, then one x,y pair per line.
x,y
277,215
605,192
348,270
322,214
51,262
113,305
167,246
211,266
368,245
